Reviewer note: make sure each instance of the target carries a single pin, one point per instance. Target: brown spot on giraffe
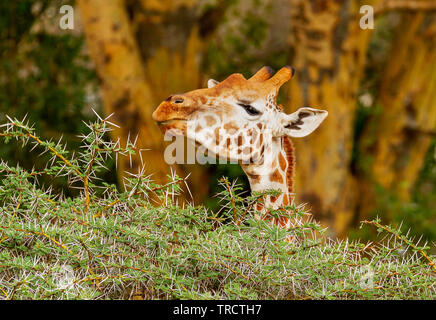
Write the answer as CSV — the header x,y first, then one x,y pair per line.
x,y
255,158
276,176
247,150
285,199
210,121
262,151
253,177
254,135
282,221
261,140
203,100
259,206
198,128
217,133
240,140
282,162
231,127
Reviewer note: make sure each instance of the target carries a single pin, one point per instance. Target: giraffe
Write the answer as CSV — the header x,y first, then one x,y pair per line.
x,y
238,119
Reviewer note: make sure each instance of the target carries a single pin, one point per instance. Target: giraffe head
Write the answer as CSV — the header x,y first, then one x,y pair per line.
x,y
235,118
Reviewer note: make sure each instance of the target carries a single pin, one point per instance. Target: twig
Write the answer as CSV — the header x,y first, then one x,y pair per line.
x,y
422,252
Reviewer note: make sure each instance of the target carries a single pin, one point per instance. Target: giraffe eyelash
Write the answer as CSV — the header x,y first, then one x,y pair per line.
x,y
249,109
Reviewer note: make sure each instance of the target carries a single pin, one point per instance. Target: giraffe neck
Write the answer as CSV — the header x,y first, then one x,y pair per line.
x,y
276,172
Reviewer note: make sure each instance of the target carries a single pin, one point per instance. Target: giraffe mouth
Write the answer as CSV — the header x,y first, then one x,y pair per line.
x,y
173,126
168,122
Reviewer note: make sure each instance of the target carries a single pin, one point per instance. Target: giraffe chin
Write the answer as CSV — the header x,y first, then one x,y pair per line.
x,y
175,127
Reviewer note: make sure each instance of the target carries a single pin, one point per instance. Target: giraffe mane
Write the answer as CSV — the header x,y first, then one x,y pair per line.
x,y
290,156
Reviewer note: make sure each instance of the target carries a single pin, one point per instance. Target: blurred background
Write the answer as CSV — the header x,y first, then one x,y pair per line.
x,y
375,154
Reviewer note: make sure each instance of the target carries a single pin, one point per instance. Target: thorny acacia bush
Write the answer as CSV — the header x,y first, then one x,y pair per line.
x,y
108,243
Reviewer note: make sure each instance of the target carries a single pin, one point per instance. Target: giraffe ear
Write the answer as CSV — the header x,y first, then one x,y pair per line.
x,y
212,83
303,122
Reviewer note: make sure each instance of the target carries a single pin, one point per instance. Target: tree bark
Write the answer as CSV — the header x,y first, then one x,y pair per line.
x,y
329,55
124,88
400,135
329,50
172,37
145,50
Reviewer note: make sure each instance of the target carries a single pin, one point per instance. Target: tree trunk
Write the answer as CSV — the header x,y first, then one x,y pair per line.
x,y
329,55
124,89
144,51
172,38
399,137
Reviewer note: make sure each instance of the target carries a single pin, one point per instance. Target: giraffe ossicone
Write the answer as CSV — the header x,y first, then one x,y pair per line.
x,y
238,119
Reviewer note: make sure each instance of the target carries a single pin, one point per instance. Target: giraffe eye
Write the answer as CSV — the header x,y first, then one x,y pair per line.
x,y
249,109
